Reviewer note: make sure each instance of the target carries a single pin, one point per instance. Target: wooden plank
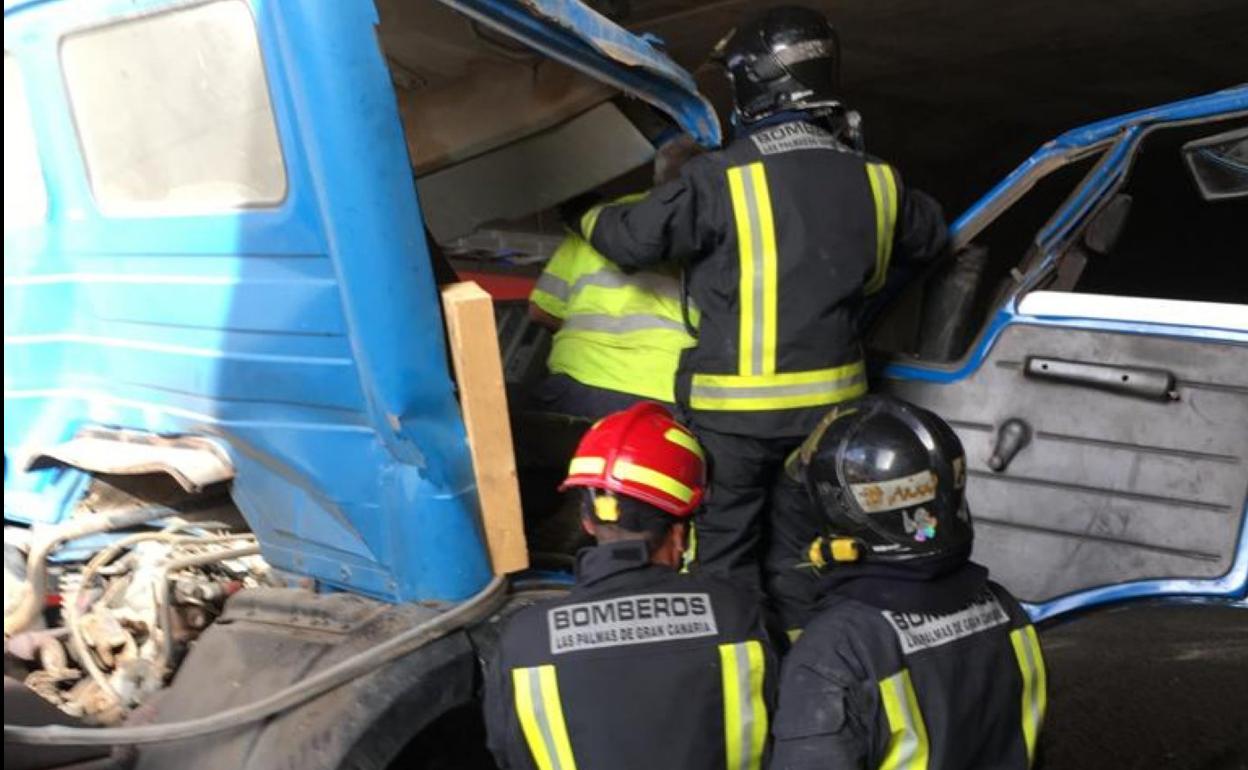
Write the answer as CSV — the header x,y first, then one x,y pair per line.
x,y
483,399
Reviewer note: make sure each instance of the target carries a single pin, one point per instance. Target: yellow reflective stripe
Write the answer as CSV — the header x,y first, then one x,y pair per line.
x,y
541,717
590,465
757,288
626,471
1035,696
767,233
908,747
884,193
745,289
787,390
742,669
809,377
758,728
681,438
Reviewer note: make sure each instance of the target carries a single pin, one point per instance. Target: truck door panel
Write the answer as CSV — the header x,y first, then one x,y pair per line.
x,y
1113,487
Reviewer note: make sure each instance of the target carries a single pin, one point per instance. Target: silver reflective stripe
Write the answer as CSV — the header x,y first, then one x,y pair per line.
x,y
554,286
592,322
756,245
742,653
543,719
771,391
655,283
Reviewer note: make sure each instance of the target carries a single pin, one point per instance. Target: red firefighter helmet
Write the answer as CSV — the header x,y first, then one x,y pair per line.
x,y
642,453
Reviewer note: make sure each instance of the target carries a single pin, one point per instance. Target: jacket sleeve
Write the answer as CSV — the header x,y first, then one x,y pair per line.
x,y
496,702
820,719
662,227
921,234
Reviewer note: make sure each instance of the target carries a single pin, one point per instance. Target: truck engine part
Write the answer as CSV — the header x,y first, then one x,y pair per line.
x,y
125,611
27,608
476,608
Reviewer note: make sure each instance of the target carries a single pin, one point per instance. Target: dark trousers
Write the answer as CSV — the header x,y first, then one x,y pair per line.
x,y
730,525
562,394
791,581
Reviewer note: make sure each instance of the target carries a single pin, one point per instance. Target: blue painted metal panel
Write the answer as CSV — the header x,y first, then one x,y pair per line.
x,y
301,335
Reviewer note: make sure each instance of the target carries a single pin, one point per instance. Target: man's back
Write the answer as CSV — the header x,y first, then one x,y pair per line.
x,y
871,688
783,232
639,667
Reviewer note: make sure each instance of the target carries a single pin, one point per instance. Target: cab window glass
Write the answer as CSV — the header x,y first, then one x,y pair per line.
x,y
1174,244
25,197
937,318
173,112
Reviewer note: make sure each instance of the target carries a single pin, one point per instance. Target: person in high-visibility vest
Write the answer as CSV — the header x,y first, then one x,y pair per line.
x,y
639,666
618,335
911,657
782,235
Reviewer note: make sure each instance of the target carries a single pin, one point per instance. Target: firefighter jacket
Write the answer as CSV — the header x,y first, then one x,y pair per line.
x,y
782,234
954,687
619,331
638,667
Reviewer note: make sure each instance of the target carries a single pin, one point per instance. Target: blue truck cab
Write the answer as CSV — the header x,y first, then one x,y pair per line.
x,y
218,269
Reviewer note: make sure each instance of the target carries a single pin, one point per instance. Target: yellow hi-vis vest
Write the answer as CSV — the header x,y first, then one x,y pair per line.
x,y
623,332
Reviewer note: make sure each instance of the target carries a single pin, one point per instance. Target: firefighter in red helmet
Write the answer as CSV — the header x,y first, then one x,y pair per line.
x,y
611,675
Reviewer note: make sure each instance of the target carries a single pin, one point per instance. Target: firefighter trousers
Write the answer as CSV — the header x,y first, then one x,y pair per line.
x,y
731,523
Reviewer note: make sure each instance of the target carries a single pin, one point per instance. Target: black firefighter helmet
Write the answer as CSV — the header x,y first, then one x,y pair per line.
x,y
889,478
787,58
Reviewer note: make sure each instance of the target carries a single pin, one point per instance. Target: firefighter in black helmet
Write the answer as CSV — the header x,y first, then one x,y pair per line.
x,y
913,657
782,234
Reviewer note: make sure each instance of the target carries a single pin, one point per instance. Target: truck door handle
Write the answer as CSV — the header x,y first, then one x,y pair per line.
x,y
1013,435
1127,380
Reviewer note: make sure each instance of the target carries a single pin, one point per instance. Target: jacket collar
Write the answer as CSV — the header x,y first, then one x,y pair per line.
x,y
940,585
600,562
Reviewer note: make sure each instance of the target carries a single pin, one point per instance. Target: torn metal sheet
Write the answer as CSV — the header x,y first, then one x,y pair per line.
x,y
192,461
575,34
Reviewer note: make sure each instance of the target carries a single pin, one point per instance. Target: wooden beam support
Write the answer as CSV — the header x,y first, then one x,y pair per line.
x,y
483,399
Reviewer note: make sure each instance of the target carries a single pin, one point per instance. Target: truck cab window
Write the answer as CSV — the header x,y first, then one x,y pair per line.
x,y
1174,244
173,112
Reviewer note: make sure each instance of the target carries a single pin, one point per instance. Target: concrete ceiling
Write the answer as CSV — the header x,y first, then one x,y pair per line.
x,y
958,92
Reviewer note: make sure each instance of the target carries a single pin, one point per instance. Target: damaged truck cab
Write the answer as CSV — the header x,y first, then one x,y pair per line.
x,y
216,271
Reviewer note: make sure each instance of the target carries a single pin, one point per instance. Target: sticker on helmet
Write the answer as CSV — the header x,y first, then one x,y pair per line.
x,y
894,494
625,620
921,524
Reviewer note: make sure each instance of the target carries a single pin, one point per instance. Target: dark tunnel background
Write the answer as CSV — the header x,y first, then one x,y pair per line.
x,y
957,94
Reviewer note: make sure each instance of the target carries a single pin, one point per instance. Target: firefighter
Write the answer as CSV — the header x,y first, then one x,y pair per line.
x,y
618,335
913,658
639,666
782,235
